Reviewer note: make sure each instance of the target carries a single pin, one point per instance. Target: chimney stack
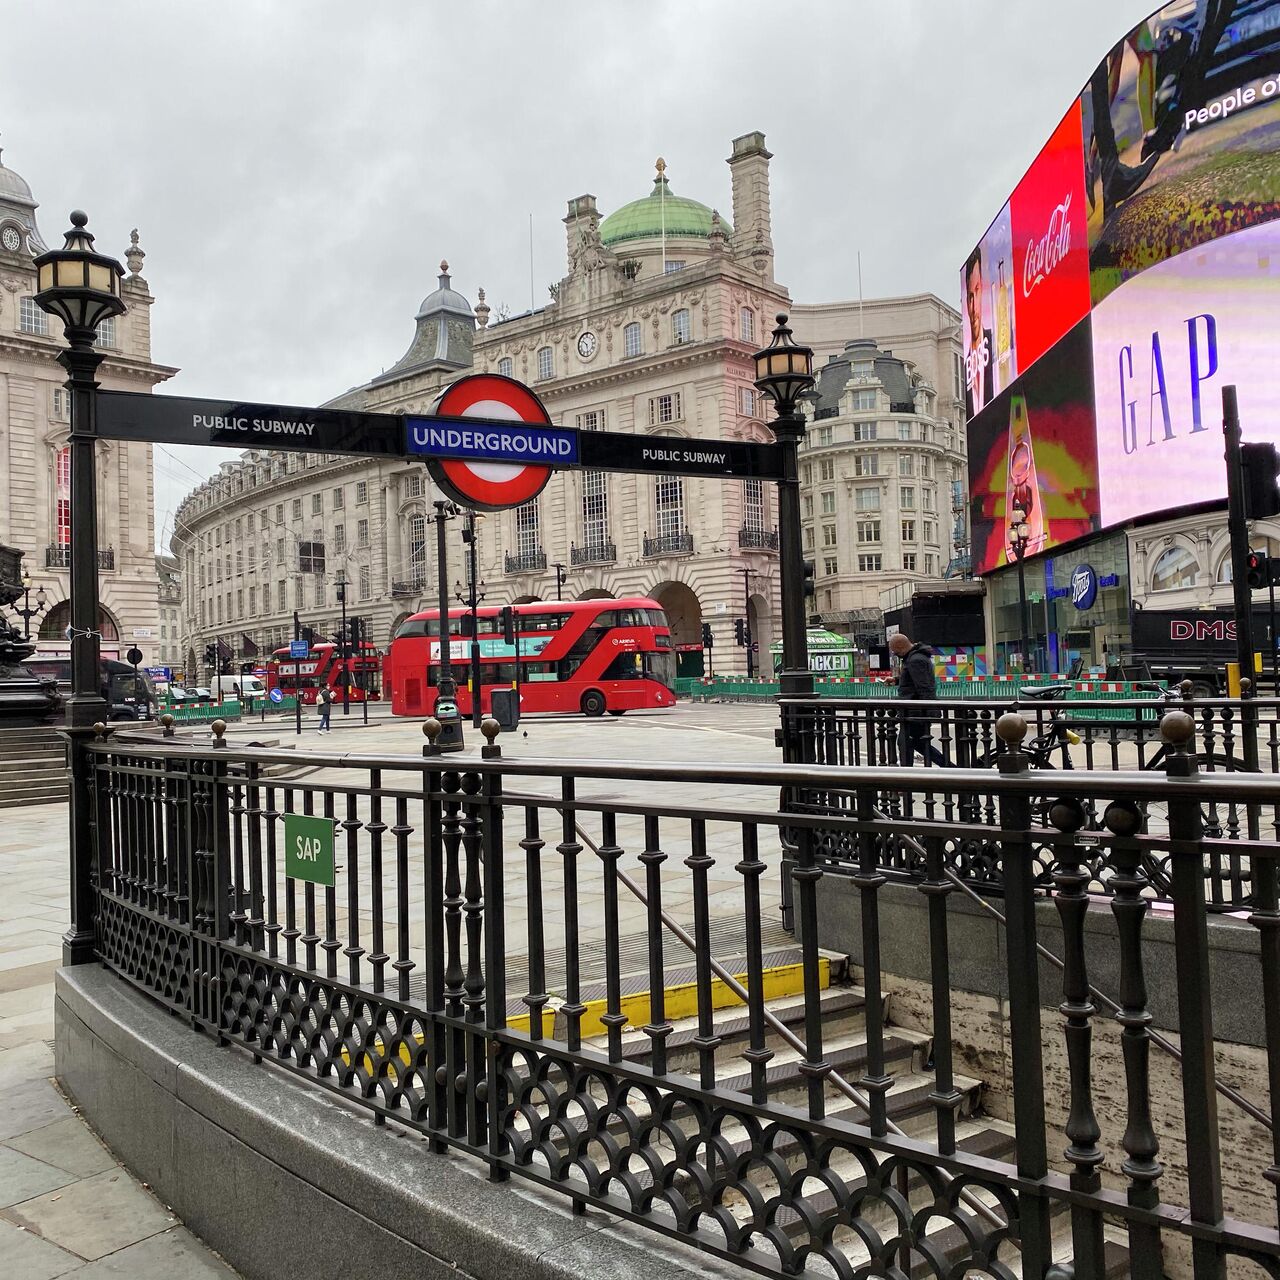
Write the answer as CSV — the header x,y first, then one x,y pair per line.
x,y
752,224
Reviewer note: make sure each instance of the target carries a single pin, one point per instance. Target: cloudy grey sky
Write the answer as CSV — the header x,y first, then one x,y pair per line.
x,y
297,170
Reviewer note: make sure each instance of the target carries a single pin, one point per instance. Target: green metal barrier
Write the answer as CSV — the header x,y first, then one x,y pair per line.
x,y
203,712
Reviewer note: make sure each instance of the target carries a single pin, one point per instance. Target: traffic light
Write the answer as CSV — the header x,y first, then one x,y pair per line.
x,y
508,616
740,632
706,635
810,570
1259,570
211,655
1261,466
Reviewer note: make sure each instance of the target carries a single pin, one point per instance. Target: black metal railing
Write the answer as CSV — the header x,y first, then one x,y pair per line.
x,y
1122,734
758,539
525,561
488,1010
57,555
409,587
669,544
593,553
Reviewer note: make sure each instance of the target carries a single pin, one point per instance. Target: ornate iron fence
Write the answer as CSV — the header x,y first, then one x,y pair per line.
x,y
1119,734
424,983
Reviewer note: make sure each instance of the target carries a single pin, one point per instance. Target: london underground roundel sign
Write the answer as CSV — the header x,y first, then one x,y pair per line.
x,y
486,485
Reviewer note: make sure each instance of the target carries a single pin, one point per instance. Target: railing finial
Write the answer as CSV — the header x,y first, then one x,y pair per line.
x,y
219,728
431,729
1177,728
1011,728
166,723
100,731
490,728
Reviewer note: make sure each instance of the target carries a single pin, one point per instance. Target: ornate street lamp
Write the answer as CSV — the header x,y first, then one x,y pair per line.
x,y
81,288
26,613
1019,536
784,372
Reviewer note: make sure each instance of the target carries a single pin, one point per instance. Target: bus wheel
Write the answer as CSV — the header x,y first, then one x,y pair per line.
x,y
593,703
619,711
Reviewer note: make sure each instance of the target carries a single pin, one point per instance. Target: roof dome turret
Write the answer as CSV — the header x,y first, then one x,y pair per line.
x,y
444,298
658,212
18,205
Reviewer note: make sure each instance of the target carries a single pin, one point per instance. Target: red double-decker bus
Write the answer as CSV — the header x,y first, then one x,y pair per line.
x,y
324,666
591,656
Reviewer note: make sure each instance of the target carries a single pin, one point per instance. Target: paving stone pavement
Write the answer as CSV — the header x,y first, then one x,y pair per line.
x,y
66,1207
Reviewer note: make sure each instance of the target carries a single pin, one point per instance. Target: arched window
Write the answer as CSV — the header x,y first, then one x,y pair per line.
x,y
1224,568
546,363
681,327
505,366
632,342
1176,567
747,325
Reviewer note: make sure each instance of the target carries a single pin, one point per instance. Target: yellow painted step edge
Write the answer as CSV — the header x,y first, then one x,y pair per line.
x,y
680,1001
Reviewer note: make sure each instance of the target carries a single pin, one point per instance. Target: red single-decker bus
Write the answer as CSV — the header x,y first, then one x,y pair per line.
x,y
590,656
325,666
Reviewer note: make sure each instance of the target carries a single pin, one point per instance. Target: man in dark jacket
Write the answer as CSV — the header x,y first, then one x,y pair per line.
x,y
915,684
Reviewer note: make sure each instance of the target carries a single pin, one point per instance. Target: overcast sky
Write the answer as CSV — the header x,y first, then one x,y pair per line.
x,y
297,170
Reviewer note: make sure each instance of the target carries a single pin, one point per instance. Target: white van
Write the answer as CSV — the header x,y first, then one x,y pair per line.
x,y
245,688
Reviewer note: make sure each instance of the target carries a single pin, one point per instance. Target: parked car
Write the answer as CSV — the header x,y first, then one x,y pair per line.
x,y
178,695
203,694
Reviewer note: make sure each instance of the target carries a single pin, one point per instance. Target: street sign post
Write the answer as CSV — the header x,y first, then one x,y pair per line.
x,y
308,849
276,696
299,649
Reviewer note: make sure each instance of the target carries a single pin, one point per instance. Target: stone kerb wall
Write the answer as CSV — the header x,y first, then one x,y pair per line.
x,y
980,1029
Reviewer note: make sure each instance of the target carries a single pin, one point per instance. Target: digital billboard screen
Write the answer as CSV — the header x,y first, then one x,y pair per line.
x,y
1134,257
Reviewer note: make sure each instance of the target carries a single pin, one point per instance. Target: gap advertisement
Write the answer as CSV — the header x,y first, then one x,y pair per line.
x,y
1164,346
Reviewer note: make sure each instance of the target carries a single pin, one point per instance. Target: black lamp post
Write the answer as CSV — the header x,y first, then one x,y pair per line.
x,y
1019,536
471,598
446,707
562,576
81,288
26,613
784,372
341,582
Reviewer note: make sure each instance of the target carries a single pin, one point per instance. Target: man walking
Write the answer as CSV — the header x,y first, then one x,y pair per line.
x,y
324,700
915,684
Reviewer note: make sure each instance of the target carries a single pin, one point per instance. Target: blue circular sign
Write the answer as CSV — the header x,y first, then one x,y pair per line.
x,y
276,695
1084,586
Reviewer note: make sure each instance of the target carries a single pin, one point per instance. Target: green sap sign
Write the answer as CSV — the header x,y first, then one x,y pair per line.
x,y
308,848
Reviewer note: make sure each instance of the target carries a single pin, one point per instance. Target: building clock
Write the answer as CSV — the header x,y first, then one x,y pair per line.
x,y
587,344
11,240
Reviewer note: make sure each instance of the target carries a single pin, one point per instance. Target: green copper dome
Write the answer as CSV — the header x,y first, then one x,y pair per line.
x,y
645,219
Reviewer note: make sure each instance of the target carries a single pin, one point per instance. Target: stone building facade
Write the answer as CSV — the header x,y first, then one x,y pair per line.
x,y
169,651
35,473
652,331
882,472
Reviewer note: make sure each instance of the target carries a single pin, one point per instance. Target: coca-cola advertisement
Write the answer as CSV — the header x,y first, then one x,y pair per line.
x,y
1033,468
1050,244
1164,346
1181,134
986,281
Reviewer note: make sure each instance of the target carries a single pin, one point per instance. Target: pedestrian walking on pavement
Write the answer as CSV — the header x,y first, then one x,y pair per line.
x,y
324,700
915,684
